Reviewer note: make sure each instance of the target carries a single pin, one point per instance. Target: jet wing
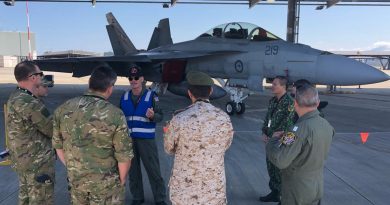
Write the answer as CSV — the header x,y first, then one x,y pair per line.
x,y
83,66
174,55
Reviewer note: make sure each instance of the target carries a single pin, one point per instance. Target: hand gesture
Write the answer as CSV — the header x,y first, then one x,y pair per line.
x,y
265,138
278,134
150,113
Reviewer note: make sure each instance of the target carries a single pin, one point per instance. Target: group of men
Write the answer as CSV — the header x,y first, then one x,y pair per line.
x,y
297,141
101,144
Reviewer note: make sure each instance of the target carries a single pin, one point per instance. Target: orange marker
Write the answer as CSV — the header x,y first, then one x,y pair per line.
x,y
364,136
165,129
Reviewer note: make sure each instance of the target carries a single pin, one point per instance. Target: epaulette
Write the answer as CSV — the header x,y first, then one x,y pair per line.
x,y
178,111
181,110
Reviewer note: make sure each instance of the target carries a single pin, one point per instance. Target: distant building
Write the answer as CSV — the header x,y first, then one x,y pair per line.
x,y
15,45
109,53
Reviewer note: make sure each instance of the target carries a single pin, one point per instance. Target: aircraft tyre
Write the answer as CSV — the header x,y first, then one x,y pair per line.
x,y
240,108
230,108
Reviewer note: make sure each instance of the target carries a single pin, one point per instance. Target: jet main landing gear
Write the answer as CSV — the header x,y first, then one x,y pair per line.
x,y
232,107
235,105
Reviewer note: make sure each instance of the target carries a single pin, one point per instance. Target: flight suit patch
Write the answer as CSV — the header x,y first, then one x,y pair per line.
x,y
288,138
45,112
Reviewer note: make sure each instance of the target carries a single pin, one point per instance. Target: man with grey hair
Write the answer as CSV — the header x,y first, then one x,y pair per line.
x,y
301,152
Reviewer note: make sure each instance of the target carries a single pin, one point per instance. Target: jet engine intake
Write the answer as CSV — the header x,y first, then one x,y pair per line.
x,y
254,83
173,71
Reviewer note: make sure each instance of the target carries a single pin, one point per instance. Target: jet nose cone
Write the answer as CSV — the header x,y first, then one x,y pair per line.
x,y
340,70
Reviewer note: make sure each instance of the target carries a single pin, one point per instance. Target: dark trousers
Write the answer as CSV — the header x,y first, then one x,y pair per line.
x,y
274,177
146,150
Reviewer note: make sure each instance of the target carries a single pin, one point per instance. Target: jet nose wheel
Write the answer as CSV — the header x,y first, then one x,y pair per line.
x,y
240,108
230,108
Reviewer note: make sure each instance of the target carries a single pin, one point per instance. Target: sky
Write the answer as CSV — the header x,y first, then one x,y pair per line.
x,y
79,26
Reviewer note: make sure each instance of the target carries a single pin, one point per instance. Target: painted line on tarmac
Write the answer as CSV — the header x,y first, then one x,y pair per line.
x,y
254,119
247,131
353,133
259,110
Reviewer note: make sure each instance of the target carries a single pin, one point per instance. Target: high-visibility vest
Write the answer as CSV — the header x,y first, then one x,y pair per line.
x,y
139,125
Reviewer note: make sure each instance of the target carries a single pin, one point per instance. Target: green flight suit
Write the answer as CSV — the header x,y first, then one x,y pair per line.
x,y
301,154
279,117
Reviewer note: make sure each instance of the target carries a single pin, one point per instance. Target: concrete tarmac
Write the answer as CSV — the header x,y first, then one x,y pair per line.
x,y
355,173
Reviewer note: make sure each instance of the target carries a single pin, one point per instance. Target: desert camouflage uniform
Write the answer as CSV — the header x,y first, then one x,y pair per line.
x,y
94,137
30,129
280,117
199,137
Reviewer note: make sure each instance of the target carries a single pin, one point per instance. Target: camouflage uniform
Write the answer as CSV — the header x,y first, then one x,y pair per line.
x,y
30,129
279,117
199,137
94,137
301,154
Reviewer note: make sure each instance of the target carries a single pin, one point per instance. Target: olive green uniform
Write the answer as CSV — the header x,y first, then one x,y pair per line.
x,y
301,154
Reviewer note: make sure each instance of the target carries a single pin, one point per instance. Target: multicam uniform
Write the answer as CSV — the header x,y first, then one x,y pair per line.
x,y
94,137
301,154
279,117
30,129
199,137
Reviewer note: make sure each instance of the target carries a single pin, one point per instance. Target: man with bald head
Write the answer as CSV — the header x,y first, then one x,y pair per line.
x,y
301,152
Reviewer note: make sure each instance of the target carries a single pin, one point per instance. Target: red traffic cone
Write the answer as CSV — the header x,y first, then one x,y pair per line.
x,y
364,136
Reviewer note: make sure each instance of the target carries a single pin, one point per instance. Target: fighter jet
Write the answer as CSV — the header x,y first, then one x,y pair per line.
x,y
239,55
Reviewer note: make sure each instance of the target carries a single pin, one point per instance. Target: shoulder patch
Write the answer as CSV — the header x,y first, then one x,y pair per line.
x,y
155,98
182,110
291,108
288,138
45,112
178,111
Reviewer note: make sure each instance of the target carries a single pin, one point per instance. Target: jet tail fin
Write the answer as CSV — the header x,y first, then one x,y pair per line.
x,y
120,42
161,35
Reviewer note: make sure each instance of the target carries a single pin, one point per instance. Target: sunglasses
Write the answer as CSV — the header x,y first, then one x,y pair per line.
x,y
40,74
133,78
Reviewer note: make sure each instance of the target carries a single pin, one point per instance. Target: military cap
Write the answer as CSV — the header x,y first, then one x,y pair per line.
x,y
47,80
199,78
135,71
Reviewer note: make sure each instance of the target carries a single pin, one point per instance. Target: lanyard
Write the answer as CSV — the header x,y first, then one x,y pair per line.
x,y
26,91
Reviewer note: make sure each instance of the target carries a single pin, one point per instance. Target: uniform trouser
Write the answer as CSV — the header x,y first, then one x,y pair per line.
x,y
37,187
274,177
146,150
113,196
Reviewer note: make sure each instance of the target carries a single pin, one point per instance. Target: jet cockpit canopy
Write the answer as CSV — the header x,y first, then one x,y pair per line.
x,y
240,30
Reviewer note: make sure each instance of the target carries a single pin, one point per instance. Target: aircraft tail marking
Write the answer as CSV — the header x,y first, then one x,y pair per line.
x,y
120,42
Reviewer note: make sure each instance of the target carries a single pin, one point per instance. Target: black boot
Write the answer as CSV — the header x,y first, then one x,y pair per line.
x,y
271,197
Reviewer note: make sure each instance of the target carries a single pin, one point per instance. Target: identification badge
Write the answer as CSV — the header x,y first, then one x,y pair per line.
x,y
295,128
269,123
